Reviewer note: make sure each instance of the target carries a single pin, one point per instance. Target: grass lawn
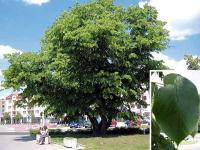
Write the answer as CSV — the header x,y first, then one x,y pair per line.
x,y
188,142
125,142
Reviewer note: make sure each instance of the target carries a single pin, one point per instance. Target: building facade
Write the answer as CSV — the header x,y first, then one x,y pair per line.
x,y
143,110
27,115
1,109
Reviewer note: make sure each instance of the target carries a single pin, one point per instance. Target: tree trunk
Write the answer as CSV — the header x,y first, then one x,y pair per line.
x,y
99,129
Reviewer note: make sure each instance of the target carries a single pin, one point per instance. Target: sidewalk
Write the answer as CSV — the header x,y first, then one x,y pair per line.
x,y
14,138
25,142
195,146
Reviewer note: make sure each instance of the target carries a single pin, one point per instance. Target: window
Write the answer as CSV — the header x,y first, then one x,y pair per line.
x,y
138,106
144,98
37,111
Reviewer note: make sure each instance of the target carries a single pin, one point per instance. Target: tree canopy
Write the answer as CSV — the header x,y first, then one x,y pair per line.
x,y
94,60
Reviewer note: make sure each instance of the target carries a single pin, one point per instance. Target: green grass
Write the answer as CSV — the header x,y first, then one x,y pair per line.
x,y
125,142
144,126
188,142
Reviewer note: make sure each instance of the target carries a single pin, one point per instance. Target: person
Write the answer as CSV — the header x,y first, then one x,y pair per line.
x,y
43,134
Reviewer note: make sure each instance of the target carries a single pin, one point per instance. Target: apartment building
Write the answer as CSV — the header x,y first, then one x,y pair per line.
x,y
1,110
28,115
143,110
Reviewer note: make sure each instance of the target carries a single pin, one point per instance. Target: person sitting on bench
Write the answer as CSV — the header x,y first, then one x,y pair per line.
x,y
43,134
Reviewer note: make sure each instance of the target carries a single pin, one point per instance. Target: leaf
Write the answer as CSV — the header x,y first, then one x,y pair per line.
x,y
155,128
176,107
195,130
159,142
170,78
154,89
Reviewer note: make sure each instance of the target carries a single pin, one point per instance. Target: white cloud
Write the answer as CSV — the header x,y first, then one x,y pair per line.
x,y
182,16
6,49
170,62
192,75
1,73
36,2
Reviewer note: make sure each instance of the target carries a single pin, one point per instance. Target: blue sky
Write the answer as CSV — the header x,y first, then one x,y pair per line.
x,y
23,23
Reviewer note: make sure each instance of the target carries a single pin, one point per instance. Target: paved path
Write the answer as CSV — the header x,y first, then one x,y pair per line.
x,y
24,142
195,146
12,140
190,147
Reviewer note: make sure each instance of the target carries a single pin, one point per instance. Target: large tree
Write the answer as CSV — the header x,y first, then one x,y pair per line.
x,y
94,60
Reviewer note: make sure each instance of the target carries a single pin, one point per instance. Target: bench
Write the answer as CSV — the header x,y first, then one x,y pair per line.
x,y
47,139
70,143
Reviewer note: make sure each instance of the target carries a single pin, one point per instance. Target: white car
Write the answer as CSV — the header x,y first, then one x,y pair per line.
x,y
121,124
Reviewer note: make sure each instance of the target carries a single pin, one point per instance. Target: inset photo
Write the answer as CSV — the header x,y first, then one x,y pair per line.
x,y
175,118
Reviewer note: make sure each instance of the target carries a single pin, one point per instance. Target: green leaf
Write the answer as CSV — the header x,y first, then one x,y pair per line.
x,y
176,107
195,130
155,128
159,142
154,89
170,78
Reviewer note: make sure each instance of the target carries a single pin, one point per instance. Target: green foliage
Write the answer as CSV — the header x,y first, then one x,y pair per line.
x,y
18,117
192,62
128,116
94,59
34,131
6,117
154,126
195,130
176,108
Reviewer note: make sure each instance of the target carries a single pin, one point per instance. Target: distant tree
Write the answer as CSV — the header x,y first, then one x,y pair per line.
x,y
18,117
193,63
32,116
6,117
94,59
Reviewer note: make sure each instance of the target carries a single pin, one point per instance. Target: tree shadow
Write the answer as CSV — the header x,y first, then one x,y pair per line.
x,y
25,138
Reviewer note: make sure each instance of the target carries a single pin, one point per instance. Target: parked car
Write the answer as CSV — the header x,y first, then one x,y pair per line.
x,y
120,124
75,124
130,123
87,124
113,123
146,121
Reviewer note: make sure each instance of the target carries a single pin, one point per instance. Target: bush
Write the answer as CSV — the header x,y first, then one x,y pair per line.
x,y
88,132
34,131
127,131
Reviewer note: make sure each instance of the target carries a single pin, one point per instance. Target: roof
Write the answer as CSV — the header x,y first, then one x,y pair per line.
x,y
9,97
